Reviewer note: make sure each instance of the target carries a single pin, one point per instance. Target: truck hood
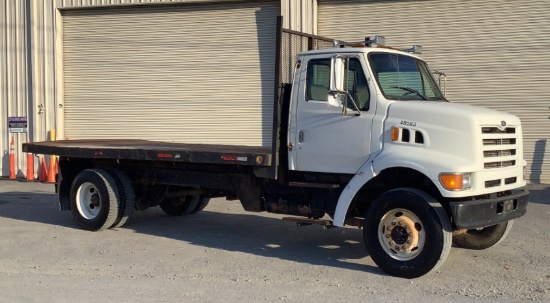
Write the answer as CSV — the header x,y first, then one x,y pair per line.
x,y
456,137
438,112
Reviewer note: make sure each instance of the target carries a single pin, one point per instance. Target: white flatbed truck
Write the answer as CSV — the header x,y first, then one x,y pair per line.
x,y
362,137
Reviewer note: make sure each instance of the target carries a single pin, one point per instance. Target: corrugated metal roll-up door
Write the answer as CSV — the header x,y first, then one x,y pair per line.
x,y
193,73
495,53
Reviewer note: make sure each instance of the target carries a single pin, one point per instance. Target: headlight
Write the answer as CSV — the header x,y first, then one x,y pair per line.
x,y
456,181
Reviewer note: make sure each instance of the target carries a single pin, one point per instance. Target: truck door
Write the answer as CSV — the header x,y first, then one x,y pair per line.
x,y
327,138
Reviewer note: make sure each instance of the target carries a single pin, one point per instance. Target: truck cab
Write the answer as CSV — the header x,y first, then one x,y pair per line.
x,y
378,114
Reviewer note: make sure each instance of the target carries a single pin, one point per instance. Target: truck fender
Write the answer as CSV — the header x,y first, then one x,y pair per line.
x,y
365,173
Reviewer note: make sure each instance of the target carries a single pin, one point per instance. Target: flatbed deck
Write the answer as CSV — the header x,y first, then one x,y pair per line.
x,y
153,151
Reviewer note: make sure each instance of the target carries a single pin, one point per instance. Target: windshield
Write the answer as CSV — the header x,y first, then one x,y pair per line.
x,y
402,77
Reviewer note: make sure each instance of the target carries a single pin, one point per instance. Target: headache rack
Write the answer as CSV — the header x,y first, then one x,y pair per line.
x,y
377,41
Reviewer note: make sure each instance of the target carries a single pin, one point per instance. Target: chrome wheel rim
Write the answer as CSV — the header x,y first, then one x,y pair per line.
x,y
89,201
401,234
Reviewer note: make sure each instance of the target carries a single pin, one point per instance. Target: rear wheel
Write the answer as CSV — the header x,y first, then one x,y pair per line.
x,y
483,238
407,233
94,199
178,206
127,201
203,202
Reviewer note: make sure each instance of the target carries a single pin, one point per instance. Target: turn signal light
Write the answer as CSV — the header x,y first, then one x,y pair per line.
x,y
456,181
452,181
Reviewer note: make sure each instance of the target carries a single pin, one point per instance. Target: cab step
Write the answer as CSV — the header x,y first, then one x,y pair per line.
x,y
326,224
314,185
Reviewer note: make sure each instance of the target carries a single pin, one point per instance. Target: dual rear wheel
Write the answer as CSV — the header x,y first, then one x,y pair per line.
x,y
184,205
97,201
105,198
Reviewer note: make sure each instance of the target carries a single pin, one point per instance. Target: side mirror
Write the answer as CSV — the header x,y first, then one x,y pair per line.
x,y
334,98
337,73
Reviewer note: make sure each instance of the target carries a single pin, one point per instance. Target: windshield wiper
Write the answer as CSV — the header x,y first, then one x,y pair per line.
x,y
438,98
412,91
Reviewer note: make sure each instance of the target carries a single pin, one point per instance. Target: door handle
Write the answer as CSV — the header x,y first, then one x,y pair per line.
x,y
301,136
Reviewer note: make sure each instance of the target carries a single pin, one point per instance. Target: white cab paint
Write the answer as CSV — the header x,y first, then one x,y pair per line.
x,y
325,139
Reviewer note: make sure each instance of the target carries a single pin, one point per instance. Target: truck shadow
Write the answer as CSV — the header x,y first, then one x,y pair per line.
x,y
237,232
536,166
258,235
268,237
32,207
539,193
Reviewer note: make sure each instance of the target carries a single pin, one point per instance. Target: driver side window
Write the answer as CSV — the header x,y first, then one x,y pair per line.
x,y
355,83
318,79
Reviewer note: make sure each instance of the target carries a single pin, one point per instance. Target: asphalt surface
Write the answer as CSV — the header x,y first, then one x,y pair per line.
x,y
224,254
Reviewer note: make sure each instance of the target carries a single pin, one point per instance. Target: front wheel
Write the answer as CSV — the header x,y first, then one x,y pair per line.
x,y
407,233
483,238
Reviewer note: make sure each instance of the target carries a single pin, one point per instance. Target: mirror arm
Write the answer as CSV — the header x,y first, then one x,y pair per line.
x,y
354,103
344,106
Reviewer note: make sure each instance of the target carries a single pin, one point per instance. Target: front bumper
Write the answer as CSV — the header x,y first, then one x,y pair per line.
x,y
482,213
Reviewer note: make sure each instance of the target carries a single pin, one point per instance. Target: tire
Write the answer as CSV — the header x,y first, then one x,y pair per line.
x,y
127,201
483,238
407,233
94,199
203,202
179,206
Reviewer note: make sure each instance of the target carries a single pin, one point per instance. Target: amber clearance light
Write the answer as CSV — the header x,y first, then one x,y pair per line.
x,y
395,134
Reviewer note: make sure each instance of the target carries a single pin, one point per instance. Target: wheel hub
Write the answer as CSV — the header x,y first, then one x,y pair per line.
x,y
399,235
95,201
402,235
88,200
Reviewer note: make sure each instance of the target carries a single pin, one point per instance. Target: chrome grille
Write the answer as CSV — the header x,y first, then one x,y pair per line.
x,y
500,151
506,141
496,130
499,164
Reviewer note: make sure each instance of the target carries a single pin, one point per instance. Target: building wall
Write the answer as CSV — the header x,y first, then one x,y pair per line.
x,y
29,70
14,80
300,15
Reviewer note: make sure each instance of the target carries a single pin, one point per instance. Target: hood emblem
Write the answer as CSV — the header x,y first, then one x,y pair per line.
x,y
502,126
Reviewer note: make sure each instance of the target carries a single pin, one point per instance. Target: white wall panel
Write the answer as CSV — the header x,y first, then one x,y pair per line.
x,y
14,78
300,15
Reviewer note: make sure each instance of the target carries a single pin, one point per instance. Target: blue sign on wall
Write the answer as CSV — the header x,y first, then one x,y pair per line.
x,y
17,124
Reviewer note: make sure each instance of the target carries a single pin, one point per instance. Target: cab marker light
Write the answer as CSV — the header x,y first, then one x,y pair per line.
x,y
394,134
